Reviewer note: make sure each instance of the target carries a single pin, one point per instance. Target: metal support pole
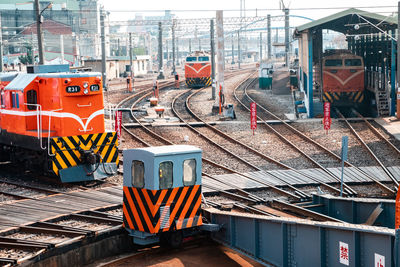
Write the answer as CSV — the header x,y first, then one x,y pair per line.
x,y
103,51
212,44
398,61
62,48
177,51
220,50
261,47
287,37
190,45
239,54
1,47
233,51
130,56
39,32
269,36
160,53
173,47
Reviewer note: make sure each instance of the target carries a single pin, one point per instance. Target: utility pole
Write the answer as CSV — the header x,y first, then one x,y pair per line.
x,y
220,49
233,51
287,37
103,52
177,51
212,44
239,54
269,36
261,47
39,32
1,47
130,56
173,47
160,53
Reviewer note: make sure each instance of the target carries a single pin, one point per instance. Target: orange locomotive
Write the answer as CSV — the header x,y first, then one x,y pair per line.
x,y
343,78
55,121
198,70
162,193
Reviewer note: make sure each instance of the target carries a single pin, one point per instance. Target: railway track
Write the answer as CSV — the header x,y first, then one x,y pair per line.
x,y
238,199
373,150
307,142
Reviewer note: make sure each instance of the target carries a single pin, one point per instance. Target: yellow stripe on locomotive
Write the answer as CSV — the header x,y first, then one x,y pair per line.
x,y
162,191
84,157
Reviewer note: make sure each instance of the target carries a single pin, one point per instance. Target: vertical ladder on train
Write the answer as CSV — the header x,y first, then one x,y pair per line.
x,y
382,102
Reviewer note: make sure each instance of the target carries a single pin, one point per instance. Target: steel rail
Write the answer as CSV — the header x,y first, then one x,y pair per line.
x,y
359,138
159,137
348,189
379,134
270,159
305,137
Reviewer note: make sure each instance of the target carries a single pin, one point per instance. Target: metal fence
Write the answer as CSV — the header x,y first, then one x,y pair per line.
x,y
293,242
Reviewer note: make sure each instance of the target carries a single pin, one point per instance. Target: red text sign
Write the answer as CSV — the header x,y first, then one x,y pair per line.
x,y
118,122
344,253
327,116
253,115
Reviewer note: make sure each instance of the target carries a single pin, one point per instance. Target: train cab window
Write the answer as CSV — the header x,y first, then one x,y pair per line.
x,y
352,62
15,100
189,172
31,99
191,59
165,173
2,102
333,63
204,59
137,174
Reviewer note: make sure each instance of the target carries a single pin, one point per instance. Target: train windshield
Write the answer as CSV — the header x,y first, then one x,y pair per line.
x,y
204,59
333,63
137,174
188,59
165,173
352,62
189,172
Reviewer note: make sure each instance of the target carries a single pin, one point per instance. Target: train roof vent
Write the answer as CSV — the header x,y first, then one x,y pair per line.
x,y
48,68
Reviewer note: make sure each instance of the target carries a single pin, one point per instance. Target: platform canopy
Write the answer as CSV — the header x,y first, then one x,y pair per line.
x,y
345,22
369,35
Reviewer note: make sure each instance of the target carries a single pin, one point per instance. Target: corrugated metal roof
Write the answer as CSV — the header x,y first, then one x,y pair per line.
x,y
350,11
8,76
21,81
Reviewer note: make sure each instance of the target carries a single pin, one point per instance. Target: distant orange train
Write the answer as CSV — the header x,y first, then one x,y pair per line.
x,y
55,122
198,70
343,78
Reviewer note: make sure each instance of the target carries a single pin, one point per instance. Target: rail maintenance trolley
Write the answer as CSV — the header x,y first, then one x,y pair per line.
x,y
162,194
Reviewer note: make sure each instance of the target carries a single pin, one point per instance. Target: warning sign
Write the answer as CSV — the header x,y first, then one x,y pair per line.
x,y
118,123
344,253
327,116
253,116
379,260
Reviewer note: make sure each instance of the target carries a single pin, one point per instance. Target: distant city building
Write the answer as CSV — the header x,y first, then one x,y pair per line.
x,y
81,17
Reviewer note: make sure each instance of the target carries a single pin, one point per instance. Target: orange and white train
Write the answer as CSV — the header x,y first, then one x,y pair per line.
x,y
198,70
55,121
343,78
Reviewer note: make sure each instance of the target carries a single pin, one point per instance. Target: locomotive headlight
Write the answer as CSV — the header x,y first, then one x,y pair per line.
x,y
85,85
85,91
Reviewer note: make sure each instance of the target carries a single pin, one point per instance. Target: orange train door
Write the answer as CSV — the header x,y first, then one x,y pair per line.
x,y
397,210
31,99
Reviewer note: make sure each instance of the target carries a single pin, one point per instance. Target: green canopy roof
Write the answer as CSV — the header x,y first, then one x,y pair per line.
x,y
344,22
